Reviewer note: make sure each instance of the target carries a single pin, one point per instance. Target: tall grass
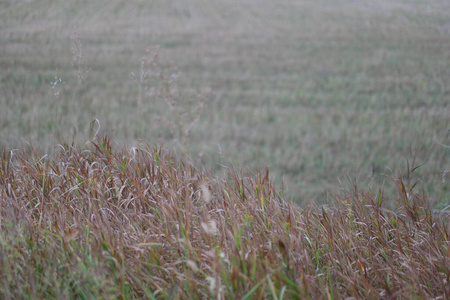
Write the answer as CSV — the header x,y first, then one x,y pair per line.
x,y
98,222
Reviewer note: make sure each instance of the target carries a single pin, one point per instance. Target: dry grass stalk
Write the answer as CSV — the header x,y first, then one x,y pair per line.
x,y
99,222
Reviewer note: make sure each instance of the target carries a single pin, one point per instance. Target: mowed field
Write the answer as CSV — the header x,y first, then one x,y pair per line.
x,y
323,93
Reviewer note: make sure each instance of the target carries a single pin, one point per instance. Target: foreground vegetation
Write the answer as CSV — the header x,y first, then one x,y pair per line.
x,y
98,222
318,91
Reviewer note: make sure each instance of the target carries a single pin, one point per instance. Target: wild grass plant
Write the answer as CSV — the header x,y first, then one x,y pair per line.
x,y
100,223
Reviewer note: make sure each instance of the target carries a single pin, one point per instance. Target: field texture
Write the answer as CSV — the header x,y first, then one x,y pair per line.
x,y
137,137
322,92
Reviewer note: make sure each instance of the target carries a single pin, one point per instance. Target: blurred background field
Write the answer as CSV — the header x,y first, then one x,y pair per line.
x,y
323,93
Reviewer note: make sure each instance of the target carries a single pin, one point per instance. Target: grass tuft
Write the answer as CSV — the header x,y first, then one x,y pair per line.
x,y
98,222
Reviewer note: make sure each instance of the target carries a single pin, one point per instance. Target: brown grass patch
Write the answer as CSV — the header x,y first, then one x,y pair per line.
x,y
99,223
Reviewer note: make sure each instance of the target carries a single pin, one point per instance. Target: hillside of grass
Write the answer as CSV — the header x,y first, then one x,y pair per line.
x,y
321,92
104,222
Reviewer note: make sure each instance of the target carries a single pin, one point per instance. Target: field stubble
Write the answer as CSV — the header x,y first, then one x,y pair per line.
x,y
321,93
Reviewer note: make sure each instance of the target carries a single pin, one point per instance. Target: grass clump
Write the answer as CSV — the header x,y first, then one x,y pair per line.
x,y
100,223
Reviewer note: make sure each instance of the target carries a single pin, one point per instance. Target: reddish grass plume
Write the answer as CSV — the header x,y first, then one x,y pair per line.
x,y
98,222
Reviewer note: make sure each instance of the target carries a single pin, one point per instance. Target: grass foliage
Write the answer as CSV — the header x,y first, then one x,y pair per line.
x,y
320,92
101,223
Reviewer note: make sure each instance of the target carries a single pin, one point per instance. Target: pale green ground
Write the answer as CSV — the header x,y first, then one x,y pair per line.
x,y
321,92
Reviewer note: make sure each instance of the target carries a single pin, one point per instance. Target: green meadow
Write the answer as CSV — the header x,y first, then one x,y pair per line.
x,y
224,149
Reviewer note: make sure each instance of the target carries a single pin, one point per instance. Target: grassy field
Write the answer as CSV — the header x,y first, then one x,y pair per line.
x,y
99,223
321,92
224,149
